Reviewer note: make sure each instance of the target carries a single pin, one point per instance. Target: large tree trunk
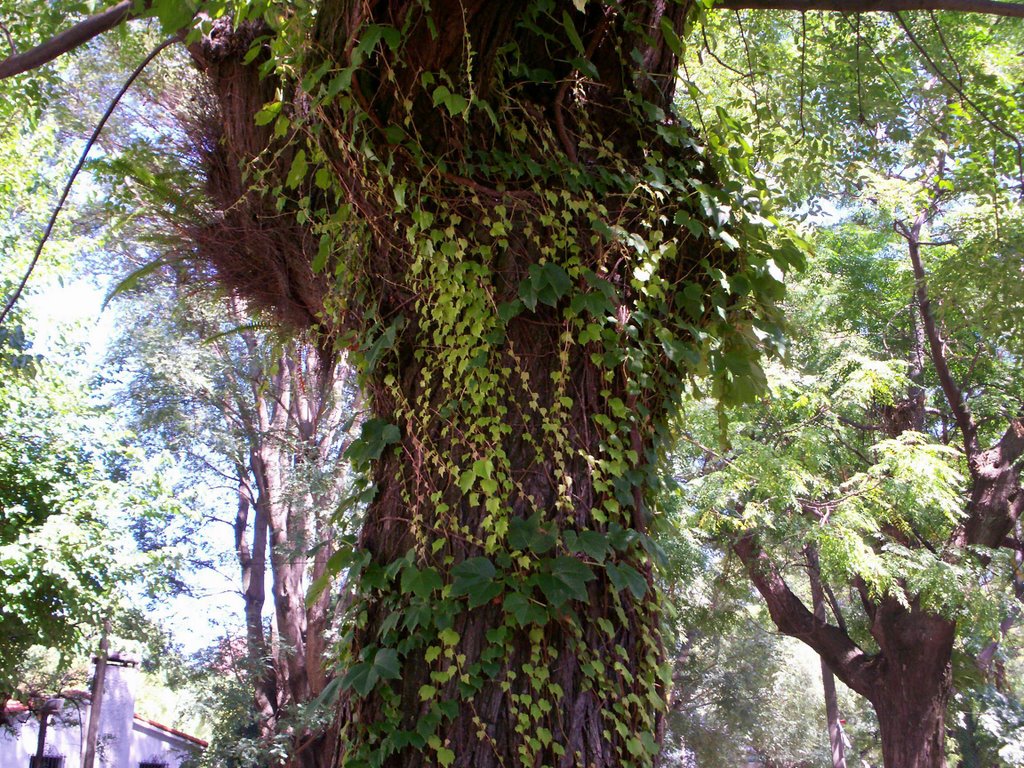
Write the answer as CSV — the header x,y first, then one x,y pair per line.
x,y
292,409
593,661
908,681
915,682
514,440
530,273
913,727
252,561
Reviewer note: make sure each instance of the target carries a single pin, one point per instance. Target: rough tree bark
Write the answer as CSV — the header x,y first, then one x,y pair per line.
x,y
577,681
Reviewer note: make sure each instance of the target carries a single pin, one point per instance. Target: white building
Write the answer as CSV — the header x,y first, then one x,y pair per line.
x,y
126,740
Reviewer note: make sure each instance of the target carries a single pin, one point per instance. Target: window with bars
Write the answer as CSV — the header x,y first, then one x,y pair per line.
x,y
48,761
152,764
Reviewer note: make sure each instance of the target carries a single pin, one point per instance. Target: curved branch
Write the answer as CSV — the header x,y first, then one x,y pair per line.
x,y
10,39
846,659
990,7
74,174
71,38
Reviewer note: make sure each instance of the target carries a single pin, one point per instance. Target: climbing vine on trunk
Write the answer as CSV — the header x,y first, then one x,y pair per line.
x,y
494,207
534,260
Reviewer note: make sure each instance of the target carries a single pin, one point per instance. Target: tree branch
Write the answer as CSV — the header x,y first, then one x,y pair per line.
x,y
844,657
991,7
937,344
74,174
997,498
71,38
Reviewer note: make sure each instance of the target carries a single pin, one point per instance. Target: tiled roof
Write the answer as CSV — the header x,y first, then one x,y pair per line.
x,y
172,731
13,707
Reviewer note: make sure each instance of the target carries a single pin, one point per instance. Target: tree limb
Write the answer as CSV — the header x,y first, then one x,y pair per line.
x,y
991,7
997,498
937,343
74,174
96,25
844,657
71,38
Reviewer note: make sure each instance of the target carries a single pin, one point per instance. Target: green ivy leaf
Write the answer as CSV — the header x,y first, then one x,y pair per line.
x,y
420,583
557,279
475,578
298,170
524,610
594,302
360,678
544,283
623,576
173,15
572,34
364,675
509,309
593,543
375,437
455,103
671,38
345,557
382,343
269,112
527,535
621,538
564,579
385,664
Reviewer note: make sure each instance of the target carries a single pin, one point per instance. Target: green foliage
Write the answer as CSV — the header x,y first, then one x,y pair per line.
x,y
832,102
891,120
65,558
654,273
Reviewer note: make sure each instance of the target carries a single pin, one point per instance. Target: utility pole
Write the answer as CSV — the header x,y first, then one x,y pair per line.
x,y
91,735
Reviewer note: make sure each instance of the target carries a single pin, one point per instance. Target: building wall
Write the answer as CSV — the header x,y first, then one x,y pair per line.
x,y
64,736
123,742
113,748
151,745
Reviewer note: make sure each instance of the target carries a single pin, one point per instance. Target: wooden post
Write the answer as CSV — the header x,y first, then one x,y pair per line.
x,y
88,761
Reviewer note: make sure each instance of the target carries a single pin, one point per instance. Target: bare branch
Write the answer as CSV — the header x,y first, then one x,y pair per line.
x,y
71,38
990,7
74,174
